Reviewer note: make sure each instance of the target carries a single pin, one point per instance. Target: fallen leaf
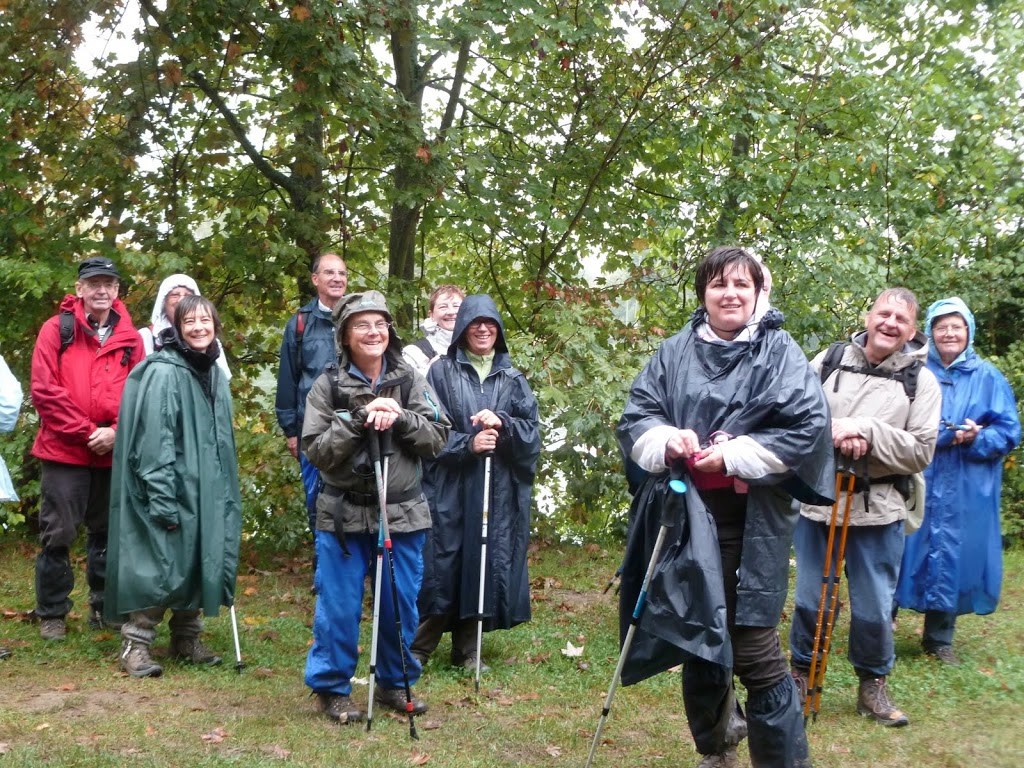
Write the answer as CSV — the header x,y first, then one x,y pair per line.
x,y
427,725
4,747
572,651
250,591
66,687
554,751
216,736
42,726
250,621
275,750
419,758
150,730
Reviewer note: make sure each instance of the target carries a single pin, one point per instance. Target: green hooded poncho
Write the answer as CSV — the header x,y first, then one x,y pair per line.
x,y
175,507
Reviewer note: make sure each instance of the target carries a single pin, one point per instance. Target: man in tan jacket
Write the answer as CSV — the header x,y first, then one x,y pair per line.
x,y
885,415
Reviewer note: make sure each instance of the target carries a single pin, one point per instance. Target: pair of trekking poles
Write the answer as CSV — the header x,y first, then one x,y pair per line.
x,y
380,453
829,593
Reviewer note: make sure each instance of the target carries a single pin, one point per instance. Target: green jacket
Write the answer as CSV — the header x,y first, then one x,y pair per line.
x,y
175,507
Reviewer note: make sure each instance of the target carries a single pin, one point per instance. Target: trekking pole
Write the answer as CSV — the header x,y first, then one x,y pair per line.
x,y
668,521
239,664
483,568
829,594
380,445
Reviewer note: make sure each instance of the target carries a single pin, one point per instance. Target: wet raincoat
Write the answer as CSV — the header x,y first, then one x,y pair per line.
x,y
454,485
762,388
953,563
175,507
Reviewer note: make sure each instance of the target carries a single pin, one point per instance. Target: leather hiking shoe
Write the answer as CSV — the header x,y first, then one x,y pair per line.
x,y
726,759
340,708
53,629
4,653
469,664
192,651
873,701
394,698
944,653
136,661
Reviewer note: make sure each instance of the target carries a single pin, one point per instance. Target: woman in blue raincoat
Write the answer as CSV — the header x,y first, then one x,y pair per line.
x,y
953,564
493,411
10,406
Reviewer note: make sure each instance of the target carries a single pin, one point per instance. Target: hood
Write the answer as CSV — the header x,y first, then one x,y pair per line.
x,y
949,306
157,318
476,306
352,304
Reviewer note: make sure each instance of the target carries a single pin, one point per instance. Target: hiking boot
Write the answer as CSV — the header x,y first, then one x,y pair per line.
x,y
944,653
53,629
4,653
394,698
340,708
873,701
468,663
191,650
726,759
136,661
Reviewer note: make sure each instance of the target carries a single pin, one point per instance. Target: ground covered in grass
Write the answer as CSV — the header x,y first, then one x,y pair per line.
x,y
67,704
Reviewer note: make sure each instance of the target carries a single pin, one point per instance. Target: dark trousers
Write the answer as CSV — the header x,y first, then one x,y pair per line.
x,y
70,496
774,718
429,633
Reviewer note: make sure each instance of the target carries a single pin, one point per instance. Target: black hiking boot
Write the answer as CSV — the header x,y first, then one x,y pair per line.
x,y
944,653
192,650
4,653
726,759
53,629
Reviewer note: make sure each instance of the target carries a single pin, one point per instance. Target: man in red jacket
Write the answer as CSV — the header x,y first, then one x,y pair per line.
x,y
81,360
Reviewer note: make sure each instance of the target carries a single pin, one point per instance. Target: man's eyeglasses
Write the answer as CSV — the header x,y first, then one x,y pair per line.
x,y
941,330
380,327
329,273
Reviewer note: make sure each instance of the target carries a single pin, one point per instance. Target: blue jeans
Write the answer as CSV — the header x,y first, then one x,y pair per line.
x,y
339,583
872,565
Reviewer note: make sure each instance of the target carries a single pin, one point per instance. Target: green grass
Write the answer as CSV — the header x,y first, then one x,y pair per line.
x,y
67,704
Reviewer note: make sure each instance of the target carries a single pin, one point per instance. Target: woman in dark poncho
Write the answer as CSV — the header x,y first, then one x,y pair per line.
x,y
732,402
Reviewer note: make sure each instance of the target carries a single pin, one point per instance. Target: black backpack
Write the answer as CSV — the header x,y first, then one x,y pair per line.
x,y
833,361
67,335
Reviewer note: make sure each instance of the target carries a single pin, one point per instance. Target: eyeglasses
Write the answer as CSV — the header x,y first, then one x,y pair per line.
x,y
330,273
380,327
941,330
483,321
179,295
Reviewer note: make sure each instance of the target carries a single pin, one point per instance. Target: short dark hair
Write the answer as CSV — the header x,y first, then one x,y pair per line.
x,y
189,305
442,290
718,260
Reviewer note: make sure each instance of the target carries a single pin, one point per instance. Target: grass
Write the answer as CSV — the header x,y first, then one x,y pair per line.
x,y
67,704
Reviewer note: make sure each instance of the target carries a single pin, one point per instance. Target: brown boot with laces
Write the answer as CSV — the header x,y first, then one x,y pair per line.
x,y
727,759
191,649
136,661
873,701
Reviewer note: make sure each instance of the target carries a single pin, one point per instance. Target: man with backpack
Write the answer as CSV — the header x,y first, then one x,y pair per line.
x,y
82,357
885,415
306,349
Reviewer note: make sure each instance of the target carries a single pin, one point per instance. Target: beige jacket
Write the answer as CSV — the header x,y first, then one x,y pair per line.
x,y
901,434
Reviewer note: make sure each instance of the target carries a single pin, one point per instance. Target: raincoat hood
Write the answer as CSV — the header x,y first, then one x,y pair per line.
x,y
353,304
940,308
474,307
157,318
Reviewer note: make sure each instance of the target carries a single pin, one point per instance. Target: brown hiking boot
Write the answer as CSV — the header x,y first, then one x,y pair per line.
x,y
726,759
394,698
340,708
53,629
136,661
801,677
873,701
944,653
191,650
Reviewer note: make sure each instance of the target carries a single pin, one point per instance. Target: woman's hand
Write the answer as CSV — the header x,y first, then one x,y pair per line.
x,y
710,460
963,436
382,413
682,445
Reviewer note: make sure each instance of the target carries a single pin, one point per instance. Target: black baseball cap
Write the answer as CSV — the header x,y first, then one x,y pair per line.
x,y
97,266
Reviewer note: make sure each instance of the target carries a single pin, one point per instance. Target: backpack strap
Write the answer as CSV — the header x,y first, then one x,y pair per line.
x,y
300,328
339,398
833,361
67,331
424,346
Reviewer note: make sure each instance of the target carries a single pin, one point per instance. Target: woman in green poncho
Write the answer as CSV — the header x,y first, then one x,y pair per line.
x,y
175,513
